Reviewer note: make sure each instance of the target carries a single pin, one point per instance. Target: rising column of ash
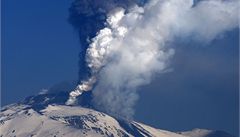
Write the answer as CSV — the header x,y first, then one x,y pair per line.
x,y
134,43
97,51
88,17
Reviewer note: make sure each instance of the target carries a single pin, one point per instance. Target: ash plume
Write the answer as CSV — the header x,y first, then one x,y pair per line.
x,y
134,43
88,17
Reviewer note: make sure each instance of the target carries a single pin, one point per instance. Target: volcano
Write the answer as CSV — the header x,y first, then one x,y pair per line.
x,y
46,115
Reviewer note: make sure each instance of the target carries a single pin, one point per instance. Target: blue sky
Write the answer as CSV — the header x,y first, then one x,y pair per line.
x,y
40,49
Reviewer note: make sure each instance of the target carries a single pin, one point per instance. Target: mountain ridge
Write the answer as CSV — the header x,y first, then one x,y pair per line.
x,y
46,115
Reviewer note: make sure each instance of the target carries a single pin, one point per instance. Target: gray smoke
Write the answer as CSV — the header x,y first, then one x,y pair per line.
x,y
88,17
134,45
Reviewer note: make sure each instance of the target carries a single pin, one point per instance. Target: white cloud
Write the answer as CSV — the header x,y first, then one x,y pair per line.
x,y
135,46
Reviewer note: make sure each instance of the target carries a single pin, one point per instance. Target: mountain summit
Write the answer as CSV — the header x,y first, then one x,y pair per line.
x,y
46,115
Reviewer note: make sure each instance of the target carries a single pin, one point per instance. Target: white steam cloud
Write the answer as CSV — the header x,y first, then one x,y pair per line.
x,y
134,46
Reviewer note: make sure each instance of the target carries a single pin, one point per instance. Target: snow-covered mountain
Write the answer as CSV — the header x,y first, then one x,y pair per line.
x,y
46,116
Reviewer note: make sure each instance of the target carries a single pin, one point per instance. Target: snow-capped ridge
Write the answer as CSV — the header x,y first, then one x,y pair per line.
x,y
46,115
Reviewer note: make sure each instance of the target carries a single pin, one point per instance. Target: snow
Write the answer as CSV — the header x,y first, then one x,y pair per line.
x,y
56,120
156,132
197,132
73,121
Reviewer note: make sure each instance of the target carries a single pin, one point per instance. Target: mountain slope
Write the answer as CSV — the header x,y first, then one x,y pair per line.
x,y
66,121
47,116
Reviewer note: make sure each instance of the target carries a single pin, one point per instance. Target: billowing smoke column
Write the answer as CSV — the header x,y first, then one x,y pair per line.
x,y
134,44
88,17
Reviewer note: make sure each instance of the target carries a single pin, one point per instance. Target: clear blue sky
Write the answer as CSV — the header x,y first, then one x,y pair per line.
x,y
40,49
